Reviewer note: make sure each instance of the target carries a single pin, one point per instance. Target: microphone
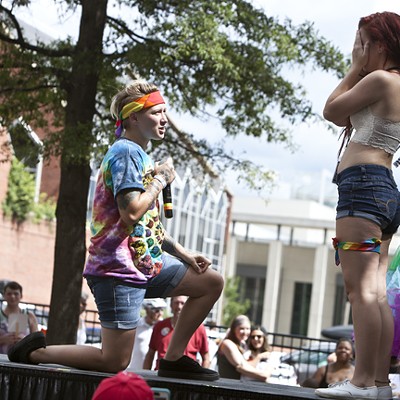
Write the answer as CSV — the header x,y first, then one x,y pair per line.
x,y
167,199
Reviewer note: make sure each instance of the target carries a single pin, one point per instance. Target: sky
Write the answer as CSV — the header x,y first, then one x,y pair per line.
x,y
310,168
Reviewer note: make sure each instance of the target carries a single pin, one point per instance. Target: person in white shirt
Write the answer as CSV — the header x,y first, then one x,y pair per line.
x,y
154,312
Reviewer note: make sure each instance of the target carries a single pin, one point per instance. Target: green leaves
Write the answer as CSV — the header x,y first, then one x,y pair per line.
x,y
20,193
234,304
225,59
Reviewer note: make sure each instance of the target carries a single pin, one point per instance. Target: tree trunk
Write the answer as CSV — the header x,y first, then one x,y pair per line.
x,y
70,247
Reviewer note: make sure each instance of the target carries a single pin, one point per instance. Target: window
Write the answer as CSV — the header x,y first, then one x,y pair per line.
x,y
252,287
301,308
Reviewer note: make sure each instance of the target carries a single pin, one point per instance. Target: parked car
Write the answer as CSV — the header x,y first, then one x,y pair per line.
x,y
338,331
307,360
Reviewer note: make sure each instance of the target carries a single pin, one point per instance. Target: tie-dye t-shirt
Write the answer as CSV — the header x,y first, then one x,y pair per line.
x,y
130,253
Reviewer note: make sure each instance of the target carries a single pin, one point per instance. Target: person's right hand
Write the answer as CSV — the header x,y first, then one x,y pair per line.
x,y
360,53
165,169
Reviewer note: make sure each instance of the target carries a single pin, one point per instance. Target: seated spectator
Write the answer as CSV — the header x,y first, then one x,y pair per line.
x,y
15,323
260,356
162,334
154,309
123,386
231,361
337,371
258,347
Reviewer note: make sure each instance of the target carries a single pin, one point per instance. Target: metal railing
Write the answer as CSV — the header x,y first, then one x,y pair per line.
x,y
303,353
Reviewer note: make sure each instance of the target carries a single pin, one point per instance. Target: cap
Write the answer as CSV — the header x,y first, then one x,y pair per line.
x,y
154,303
123,386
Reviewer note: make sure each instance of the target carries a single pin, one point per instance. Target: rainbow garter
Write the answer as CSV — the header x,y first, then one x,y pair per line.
x,y
372,244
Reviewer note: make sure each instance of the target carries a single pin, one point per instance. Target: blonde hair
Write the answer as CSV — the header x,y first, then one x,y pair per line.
x,y
135,90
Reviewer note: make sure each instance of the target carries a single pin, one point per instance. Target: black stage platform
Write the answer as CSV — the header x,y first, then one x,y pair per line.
x,y
55,382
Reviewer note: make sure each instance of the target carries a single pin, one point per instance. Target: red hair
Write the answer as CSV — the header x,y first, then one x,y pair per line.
x,y
384,28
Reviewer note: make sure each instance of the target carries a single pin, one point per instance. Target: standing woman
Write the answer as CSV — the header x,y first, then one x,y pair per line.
x,y
368,210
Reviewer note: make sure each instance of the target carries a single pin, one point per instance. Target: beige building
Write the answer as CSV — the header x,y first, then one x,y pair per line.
x,y
283,254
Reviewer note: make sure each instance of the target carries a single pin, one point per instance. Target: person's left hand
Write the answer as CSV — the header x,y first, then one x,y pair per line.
x,y
199,263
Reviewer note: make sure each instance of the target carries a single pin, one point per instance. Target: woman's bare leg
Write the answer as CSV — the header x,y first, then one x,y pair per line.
x,y
360,273
203,291
386,341
114,356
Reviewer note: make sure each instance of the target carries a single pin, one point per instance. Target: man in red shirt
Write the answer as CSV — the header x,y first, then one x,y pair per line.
x,y
162,333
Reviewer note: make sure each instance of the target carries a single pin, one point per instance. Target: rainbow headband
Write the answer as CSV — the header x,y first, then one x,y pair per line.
x,y
147,101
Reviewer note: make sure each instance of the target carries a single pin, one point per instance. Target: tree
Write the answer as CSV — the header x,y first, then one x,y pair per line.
x,y
229,56
233,304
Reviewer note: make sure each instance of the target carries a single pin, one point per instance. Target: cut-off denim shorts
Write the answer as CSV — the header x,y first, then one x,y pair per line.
x,y
369,191
119,303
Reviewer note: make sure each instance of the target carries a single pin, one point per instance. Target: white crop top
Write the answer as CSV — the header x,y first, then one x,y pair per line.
x,y
375,131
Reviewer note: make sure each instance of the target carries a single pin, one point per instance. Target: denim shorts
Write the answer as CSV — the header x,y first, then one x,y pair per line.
x,y
369,191
119,303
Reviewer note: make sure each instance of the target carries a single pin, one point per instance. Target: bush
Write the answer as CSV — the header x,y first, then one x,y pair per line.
x,y
19,201
45,209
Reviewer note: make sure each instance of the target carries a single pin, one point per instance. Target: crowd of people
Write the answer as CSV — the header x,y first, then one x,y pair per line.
x,y
243,354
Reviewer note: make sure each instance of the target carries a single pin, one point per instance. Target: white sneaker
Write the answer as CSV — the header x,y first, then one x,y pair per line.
x,y
346,390
385,393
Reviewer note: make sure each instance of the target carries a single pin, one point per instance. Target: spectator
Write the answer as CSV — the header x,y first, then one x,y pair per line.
x,y
81,334
162,333
260,356
337,371
123,386
15,323
154,312
231,361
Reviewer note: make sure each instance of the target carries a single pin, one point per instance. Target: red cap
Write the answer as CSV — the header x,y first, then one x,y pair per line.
x,y
123,386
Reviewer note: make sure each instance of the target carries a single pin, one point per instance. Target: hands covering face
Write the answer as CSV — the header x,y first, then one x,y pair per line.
x,y
361,50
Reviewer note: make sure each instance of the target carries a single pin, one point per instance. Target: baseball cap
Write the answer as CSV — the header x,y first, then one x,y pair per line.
x,y
154,303
123,386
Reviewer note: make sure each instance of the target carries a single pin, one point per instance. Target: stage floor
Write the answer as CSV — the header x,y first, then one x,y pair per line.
x,y
57,382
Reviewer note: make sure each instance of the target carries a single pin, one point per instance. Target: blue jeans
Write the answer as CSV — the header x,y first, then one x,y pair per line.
x,y
119,303
369,191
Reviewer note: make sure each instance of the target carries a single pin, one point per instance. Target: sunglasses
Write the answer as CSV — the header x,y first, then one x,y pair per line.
x,y
156,309
256,336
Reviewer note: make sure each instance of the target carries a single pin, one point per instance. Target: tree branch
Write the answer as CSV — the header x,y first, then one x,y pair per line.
x,y
26,89
192,148
121,27
20,40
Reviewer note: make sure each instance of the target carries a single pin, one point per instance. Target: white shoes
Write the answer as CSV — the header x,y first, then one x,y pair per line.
x,y
385,393
346,390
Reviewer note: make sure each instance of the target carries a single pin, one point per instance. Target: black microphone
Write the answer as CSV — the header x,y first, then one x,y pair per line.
x,y
167,199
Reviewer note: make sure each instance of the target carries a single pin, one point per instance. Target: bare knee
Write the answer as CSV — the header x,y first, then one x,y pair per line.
x,y
361,297
216,283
